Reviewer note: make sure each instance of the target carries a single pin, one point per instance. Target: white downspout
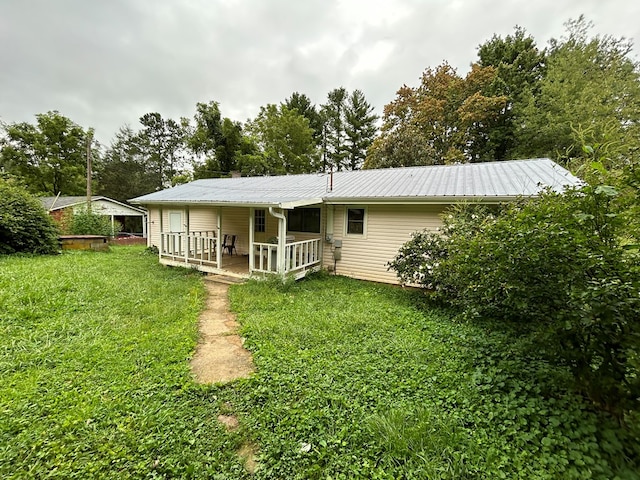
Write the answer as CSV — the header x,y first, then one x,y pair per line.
x,y
252,251
282,239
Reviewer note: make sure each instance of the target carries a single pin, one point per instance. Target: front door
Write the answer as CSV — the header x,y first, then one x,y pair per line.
x,y
175,222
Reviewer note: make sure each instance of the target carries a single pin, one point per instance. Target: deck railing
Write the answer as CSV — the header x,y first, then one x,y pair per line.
x,y
298,256
194,248
199,248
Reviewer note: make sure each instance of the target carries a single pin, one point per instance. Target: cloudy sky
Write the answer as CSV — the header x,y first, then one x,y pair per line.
x,y
105,63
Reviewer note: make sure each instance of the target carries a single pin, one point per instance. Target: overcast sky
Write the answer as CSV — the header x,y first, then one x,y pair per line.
x,y
106,63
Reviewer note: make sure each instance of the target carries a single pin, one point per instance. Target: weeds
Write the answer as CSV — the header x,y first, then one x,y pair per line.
x,y
354,380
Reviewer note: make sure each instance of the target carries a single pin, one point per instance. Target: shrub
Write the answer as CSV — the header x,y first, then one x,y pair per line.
x,y
556,265
24,224
85,222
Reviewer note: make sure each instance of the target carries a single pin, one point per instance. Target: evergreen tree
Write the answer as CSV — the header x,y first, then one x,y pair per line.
x,y
360,129
333,141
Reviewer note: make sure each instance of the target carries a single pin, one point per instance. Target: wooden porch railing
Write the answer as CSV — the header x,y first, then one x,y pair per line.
x,y
194,248
298,256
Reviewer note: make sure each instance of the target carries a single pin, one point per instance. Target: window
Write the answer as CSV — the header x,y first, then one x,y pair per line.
x,y
304,220
259,221
355,221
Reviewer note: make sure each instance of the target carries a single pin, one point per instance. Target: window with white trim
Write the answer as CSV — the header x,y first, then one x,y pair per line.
x,y
356,218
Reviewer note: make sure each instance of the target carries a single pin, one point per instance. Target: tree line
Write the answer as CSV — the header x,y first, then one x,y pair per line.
x,y
295,136
516,101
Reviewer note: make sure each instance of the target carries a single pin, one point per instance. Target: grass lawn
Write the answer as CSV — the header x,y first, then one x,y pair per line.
x,y
354,380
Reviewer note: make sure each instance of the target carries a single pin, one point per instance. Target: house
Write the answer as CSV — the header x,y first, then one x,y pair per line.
x,y
350,222
134,218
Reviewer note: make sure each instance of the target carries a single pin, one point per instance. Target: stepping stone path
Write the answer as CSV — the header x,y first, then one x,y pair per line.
x,y
220,356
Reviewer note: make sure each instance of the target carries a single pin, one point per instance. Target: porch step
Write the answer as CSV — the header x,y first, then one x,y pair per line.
x,y
227,280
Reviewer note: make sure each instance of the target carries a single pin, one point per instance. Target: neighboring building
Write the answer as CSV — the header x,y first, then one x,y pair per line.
x,y
134,217
351,222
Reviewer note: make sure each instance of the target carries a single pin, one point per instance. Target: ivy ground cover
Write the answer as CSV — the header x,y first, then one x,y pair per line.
x,y
354,380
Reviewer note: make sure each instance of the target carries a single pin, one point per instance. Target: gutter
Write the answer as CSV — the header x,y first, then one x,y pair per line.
x,y
421,200
283,205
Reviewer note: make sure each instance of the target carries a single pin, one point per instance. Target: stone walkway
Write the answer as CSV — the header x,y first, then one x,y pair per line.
x,y
220,356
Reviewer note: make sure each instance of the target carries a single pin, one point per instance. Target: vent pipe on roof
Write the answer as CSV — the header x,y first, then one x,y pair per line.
x,y
331,180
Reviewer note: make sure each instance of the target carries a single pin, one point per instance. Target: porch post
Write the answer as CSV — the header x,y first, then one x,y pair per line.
x,y
282,241
145,219
219,238
161,234
251,247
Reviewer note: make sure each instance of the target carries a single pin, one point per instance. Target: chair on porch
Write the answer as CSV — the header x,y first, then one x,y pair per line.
x,y
229,244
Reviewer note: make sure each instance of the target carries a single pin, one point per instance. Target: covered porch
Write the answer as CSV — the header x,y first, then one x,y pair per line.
x,y
237,242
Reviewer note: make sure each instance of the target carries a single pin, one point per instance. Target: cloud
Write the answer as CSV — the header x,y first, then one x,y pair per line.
x,y
105,64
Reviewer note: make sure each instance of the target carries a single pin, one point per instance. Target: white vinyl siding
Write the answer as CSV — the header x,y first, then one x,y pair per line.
x,y
202,219
387,228
153,235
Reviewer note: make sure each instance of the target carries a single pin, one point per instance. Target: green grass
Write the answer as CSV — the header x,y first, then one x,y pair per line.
x,y
95,382
354,380
379,387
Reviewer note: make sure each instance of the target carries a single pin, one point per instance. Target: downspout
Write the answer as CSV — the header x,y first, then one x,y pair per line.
x,y
282,234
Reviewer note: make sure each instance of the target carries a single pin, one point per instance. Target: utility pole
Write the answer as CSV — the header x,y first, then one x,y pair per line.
x,y
89,138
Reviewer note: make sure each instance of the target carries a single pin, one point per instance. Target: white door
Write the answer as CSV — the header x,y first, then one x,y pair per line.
x,y
175,222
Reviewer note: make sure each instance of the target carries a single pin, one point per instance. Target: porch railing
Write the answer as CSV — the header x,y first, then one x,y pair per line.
x,y
298,256
194,248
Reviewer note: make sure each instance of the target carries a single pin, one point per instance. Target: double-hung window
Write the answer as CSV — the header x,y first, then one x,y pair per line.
x,y
259,221
356,220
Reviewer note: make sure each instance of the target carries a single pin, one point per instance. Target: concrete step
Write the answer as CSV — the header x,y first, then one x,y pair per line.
x,y
227,280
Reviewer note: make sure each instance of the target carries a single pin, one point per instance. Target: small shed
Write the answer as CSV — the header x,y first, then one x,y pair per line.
x,y
117,211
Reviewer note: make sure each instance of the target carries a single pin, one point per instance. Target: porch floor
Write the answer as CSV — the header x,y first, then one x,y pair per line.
x,y
238,264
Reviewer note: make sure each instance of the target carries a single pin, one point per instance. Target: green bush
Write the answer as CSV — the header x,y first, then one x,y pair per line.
x,y
85,222
24,224
557,265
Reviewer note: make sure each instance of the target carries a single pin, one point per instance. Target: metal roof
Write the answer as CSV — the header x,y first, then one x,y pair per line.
x,y
490,181
56,203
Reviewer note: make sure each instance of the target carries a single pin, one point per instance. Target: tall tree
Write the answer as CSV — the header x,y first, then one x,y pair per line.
x,y
219,140
360,129
590,93
162,143
520,66
123,173
334,134
302,104
49,157
285,142
444,120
